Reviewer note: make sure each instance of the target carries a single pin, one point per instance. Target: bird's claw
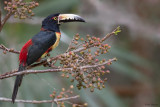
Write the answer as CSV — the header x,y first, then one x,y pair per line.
x,y
48,62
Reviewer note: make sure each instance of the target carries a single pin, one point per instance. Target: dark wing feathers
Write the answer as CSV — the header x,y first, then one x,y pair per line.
x,y
41,43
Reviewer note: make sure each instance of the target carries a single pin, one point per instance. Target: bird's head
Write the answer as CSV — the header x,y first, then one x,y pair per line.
x,y
53,21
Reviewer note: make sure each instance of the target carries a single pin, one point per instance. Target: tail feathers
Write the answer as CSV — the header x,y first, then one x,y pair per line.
x,y
17,82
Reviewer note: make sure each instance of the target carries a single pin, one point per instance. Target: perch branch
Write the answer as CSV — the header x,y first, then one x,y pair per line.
x,y
11,74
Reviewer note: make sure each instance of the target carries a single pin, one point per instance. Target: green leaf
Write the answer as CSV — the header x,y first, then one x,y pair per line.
x,y
118,30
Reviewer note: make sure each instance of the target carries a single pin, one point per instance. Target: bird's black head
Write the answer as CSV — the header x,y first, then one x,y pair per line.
x,y
53,21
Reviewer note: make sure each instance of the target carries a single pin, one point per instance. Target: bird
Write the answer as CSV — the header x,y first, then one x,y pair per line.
x,y
42,43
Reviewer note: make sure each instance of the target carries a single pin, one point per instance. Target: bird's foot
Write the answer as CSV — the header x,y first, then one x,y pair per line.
x,y
48,62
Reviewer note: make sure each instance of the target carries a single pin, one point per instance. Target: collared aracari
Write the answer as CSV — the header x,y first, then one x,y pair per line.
x,y
42,43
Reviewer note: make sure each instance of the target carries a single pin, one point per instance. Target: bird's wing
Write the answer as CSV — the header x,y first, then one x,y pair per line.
x,y
41,43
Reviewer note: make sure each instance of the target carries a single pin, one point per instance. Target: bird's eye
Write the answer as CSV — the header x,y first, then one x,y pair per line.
x,y
55,18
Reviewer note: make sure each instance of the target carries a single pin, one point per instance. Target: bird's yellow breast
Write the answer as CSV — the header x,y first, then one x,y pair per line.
x,y
58,36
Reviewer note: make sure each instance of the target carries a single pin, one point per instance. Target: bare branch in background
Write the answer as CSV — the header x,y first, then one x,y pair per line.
x,y
65,96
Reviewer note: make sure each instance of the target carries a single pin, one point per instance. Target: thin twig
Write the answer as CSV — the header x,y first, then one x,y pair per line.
x,y
8,50
76,105
52,104
38,102
109,34
70,45
65,99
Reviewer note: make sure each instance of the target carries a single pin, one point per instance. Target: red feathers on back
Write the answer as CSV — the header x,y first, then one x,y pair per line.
x,y
24,52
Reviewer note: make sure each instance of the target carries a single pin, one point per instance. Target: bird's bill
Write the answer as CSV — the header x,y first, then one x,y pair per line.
x,y
69,18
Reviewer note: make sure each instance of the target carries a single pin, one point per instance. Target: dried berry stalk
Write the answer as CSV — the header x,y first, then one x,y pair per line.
x,y
19,9
86,77
64,94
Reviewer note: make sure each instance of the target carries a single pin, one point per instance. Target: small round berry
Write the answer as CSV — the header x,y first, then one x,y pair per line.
x,y
36,4
5,2
85,104
14,6
4,52
29,11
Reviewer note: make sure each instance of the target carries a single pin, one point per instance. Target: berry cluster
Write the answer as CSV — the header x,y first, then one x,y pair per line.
x,y
64,94
86,68
20,9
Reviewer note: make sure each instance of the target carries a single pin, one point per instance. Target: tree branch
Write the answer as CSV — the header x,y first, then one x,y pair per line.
x,y
8,50
0,16
13,73
38,102
109,34
5,19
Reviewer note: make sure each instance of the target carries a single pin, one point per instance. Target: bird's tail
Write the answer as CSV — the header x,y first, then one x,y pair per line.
x,y
17,82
